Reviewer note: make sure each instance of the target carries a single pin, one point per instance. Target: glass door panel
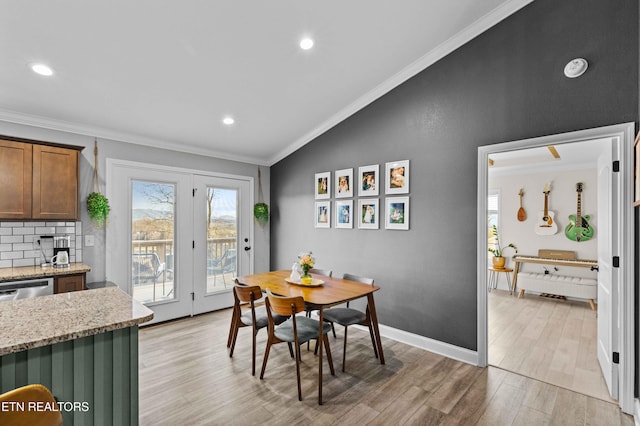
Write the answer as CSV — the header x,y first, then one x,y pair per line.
x,y
222,238
152,241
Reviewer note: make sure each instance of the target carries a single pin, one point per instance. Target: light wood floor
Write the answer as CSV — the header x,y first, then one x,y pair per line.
x,y
187,378
546,339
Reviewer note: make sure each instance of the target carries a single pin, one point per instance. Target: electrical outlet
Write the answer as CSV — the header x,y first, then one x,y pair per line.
x,y
89,241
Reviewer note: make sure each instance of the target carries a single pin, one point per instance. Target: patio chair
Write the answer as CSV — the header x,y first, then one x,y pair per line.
x,y
147,267
223,265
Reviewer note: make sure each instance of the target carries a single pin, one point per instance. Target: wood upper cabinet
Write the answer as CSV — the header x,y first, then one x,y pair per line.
x,y
15,179
55,183
38,181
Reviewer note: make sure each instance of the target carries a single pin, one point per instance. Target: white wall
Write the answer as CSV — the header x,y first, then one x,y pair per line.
x,y
95,256
562,201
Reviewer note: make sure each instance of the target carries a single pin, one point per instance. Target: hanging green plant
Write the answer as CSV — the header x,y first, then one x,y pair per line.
x,y
97,204
98,208
261,213
261,209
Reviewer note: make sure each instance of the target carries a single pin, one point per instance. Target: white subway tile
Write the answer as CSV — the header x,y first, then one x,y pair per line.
x,y
78,228
37,224
22,246
43,230
6,247
5,239
11,255
78,242
11,224
55,224
70,224
24,262
78,255
6,231
32,253
27,230
6,263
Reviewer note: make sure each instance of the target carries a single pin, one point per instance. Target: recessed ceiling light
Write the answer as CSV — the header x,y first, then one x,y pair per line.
x,y
306,43
228,121
42,69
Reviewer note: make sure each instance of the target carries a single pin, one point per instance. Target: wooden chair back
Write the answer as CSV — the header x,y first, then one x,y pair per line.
x,y
285,306
247,294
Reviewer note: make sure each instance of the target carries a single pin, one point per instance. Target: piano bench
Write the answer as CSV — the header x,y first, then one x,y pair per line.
x,y
563,285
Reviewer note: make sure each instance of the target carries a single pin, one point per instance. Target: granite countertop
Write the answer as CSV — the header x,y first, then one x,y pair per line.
x,y
28,272
45,320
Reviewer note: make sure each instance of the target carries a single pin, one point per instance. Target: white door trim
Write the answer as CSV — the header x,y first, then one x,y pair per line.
x,y
626,231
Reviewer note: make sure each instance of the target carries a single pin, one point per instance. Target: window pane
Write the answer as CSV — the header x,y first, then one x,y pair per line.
x,y
152,232
222,237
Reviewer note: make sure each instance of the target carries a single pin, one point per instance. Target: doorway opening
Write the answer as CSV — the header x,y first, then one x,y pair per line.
x,y
614,329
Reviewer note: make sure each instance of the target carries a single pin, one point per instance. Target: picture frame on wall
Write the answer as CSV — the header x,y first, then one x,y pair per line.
x,y
397,213
323,185
397,177
322,214
344,183
344,214
368,180
368,213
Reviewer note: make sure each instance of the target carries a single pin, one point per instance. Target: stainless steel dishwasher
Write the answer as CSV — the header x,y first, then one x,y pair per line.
x,y
23,289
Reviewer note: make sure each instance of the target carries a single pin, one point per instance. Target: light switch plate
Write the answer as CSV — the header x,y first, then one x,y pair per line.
x,y
89,241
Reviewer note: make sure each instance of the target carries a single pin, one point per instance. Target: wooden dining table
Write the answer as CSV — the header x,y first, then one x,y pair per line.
x,y
334,291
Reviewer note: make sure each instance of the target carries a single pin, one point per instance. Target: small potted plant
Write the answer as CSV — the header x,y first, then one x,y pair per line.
x,y
98,208
497,249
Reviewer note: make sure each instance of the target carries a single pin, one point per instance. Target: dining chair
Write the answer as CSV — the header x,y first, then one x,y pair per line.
x,y
326,273
255,317
347,316
295,331
30,417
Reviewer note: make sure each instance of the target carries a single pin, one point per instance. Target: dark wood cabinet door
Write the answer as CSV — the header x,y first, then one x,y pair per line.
x,y
67,283
15,180
55,183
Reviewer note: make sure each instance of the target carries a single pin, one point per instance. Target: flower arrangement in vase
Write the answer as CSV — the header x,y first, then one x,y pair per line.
x,y
306,262
498,249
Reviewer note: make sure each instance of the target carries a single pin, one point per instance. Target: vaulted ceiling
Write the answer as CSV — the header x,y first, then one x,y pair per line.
x,y
166,73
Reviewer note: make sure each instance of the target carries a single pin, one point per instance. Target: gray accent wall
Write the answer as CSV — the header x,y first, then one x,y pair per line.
x,y
506,84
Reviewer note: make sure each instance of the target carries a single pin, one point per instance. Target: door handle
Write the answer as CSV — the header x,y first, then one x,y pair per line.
x,y
247,248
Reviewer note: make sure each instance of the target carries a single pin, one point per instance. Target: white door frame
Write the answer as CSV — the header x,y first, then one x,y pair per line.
x,y
113,239
626,229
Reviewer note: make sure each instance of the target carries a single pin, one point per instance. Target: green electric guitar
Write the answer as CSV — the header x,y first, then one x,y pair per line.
x,y
579,228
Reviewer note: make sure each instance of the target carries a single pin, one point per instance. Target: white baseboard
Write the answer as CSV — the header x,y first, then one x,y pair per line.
x,y
636,411
445,349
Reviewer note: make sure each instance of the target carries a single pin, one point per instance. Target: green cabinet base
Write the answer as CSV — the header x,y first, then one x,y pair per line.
x,y
94,378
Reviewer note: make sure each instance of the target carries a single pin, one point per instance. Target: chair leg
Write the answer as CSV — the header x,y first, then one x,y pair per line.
x,y
298,371
373,339
233,342
266,357
333,329
253,354
290,349
325,339
231,328
344,349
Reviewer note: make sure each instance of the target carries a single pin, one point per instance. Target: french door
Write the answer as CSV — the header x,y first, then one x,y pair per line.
x,y
222,239
176,239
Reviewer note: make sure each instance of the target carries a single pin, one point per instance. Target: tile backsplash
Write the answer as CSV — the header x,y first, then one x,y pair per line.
x,y
19,242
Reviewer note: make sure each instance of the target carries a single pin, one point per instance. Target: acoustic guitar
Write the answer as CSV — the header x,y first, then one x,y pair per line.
x,y
546,224
579,228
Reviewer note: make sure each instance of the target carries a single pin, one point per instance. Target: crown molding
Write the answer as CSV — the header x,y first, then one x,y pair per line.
x,y
104,133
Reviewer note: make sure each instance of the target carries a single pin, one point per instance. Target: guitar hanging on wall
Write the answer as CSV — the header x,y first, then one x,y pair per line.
x,y
546,224
579,228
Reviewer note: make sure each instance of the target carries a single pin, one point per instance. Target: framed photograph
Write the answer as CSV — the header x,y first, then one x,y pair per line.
x,y
368,180
323,185
323,214
397,177
368,213
397,213
344,183
344,214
